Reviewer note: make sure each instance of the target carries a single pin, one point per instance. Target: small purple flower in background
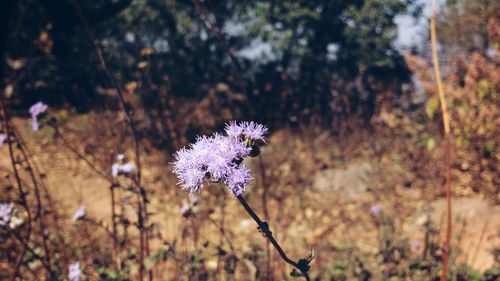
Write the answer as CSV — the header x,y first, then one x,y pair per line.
x,y
128,168
75,274
375,210
117,168
2,139
36,110
79,214
5,212
415,245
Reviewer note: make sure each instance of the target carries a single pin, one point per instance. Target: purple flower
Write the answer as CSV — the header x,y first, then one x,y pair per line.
x,y
124,169
36,110
5,212
254,131
238,179
79,214
415,245
251,130
375,210
234,130
214,157
2,139
74,274
218,158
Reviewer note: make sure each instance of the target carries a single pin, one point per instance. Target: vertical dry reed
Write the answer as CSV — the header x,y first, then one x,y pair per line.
x,y
446,124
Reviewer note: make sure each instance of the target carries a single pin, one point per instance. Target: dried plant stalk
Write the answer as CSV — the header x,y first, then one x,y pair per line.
x,y
446,124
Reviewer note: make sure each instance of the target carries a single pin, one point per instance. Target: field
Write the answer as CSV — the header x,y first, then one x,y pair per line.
x,y
249,140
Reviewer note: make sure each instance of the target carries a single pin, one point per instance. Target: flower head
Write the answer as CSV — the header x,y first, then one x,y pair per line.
x,y
234,130
79,214
250,130
35,110
128,168
254,131
38,108
213,157
218,158
125,169
238,179
2,139
74,274
415,245
375,210
5,212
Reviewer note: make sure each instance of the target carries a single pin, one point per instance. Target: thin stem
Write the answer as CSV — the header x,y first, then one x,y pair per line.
x,y
223,233
446,124
143,217
140,226
22,194
79,155
265,209
263,227
478,246
38,198
112,187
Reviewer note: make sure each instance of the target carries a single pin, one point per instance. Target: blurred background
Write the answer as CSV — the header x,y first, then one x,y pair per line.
x,y
354,165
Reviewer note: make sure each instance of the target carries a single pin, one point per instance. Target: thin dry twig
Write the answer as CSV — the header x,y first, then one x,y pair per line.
x,y
446,124
479,242
22,194
142,195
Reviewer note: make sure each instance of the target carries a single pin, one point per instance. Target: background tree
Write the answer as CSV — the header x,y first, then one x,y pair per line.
x,y
246,59
463,25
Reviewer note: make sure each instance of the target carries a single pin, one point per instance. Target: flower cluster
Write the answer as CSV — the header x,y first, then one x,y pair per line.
x,y
246,130
75,273
35,110
5,212
7,216
122,168
218,158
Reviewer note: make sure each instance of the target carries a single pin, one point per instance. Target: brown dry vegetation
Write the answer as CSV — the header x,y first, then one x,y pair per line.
x,y
320,188
314,186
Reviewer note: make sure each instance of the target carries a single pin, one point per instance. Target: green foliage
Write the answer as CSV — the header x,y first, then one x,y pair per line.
x,y
432,106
